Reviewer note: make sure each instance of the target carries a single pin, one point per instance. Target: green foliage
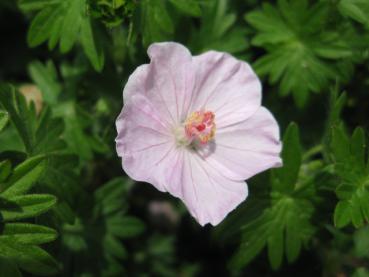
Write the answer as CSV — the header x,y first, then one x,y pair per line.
x,y
351,167
286,225
64,212
218,30
302,54
4,117
101,227
190,7
156,23
39,134
46,79
112,12
20,115
66,110
64,22
356,9
361,242
19,241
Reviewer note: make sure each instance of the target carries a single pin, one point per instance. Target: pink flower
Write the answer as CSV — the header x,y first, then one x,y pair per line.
x,y
194,126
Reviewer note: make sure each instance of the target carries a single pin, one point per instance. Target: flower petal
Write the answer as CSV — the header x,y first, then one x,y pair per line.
x,y
226,86
247,148
136,83
208,195
170,81
143,142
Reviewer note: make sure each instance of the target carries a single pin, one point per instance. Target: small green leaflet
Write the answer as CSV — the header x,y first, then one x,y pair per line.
x,y
285,226
356,9
5,170
30,258
190,7
25,206
26,233
17,109
361,242
24,177
353,170
108,207
45,76
156,23
65,22
4,118
218,30
19,241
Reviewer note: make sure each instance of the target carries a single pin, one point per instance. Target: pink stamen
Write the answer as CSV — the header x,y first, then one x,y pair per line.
x,y
200,126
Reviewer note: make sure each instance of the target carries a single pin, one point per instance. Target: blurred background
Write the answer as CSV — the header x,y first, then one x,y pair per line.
x,y
68,209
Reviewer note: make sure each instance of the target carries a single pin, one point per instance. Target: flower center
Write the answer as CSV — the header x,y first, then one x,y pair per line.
x,y
200,127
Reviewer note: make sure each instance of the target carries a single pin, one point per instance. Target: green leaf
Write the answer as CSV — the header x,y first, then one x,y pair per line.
x,y
190,7
337,103
9,268
298,47
72,24
356,9
114,189
293,243
357,147
48,134
115,247
24,233
15,104
5,170
361,272
30,258
64,212
273,228
271,24
219,30
30,5
45,78
74,133
27,206
361,240
4,118
24,176
156,23
342,215
42,25
92,44
350,165
275,248
249,248
291,156
340,145
66,22
125,226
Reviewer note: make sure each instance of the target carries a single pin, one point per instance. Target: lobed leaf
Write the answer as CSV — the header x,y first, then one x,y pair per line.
x,y
350,165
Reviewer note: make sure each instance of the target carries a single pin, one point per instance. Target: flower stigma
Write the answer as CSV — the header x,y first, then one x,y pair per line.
x,y
198,129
